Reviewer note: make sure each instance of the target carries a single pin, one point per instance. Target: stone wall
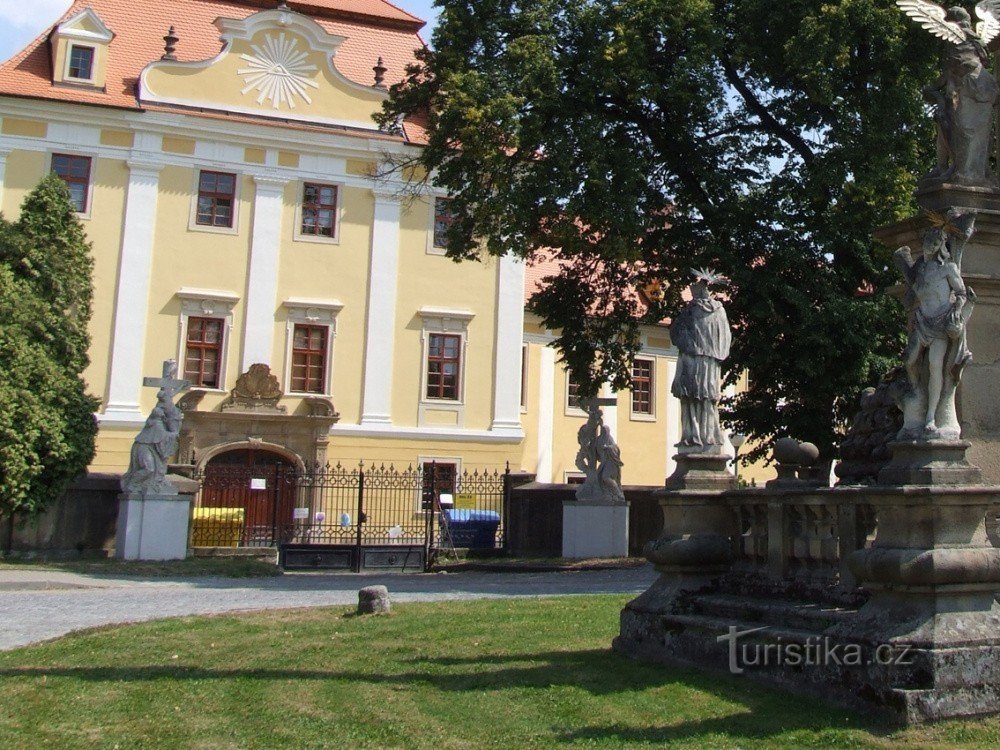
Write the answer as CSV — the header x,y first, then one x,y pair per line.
x,y
81,523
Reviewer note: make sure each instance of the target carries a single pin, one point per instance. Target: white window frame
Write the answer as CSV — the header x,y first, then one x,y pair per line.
x,y
70,44
567,475
193,224
570,411
315,312
433,249
206,303
452,322
92,155
641,416
426,459
297,235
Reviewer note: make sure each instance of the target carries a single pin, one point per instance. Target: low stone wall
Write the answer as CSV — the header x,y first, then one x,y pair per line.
x,y
80,524
534,526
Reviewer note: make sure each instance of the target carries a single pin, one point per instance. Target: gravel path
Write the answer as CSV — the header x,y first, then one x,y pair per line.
x,y
39,605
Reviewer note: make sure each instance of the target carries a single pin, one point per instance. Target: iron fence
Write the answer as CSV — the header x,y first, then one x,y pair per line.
x,y
431,505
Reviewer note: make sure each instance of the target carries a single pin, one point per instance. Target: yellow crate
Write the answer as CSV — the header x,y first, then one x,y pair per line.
x,y
217,527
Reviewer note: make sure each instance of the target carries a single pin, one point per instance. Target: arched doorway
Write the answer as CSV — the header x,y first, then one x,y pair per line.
x,y
247,499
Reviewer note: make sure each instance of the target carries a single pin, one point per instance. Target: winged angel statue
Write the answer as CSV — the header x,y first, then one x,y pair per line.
x,y
965,93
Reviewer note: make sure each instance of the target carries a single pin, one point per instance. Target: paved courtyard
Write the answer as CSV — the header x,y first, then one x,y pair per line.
x,y
38,605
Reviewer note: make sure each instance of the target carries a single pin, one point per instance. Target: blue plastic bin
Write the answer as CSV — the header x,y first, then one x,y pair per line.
x,y
474,529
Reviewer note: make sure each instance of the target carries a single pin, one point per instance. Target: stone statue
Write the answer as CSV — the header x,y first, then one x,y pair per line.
x,y
965,93
939,306
157,441
609,469
702,336
598,457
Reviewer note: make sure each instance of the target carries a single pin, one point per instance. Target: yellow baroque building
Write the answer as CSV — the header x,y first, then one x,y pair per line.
x,y
223,159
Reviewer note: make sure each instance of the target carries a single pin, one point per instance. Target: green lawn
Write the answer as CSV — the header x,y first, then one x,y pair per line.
x,y
489,674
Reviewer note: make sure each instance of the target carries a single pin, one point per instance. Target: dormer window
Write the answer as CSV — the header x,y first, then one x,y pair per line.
x,y
80,48
81,63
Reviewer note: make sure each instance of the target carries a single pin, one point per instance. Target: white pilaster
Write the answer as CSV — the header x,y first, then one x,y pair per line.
x,y
510,331
673,418
4,153
132,300
610,412
546,412
383,269
262,276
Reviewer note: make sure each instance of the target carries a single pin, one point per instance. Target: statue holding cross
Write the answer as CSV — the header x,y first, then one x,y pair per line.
x,y
157,441
598,457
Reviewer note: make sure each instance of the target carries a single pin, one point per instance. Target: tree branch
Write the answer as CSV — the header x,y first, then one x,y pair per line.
x,y
757,107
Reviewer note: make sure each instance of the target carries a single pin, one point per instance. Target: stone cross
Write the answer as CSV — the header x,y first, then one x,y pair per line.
x,y
168,381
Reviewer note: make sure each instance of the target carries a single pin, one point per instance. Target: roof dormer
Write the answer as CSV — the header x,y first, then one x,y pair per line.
x,y
80,50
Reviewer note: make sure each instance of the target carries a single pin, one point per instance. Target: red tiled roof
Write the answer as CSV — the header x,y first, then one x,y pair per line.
x,y
371,28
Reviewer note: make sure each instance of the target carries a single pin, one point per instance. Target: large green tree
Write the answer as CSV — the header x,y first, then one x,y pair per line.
x,y
643,137
47,427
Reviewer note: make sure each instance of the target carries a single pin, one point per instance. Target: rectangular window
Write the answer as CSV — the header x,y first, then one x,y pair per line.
x,y
309,359
573,393
216,198
642,386
319,210
203,357
81,63
443,218
444,359
439,477
75,172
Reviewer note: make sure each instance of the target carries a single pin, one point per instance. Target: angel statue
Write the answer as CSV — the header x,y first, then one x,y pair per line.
x,y
702,336
939,306
965,93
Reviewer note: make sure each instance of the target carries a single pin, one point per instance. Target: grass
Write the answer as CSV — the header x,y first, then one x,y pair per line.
x,y
231,567
477,675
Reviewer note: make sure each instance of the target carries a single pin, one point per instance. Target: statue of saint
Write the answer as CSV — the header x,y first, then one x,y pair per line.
x,y
153,447
939,306
702,336
598,457
609,471
965,93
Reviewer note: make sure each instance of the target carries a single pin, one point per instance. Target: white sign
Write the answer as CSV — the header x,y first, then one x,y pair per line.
x,y
446,498
300,514
258,484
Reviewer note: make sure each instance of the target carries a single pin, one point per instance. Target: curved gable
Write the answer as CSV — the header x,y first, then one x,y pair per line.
x,y
275,63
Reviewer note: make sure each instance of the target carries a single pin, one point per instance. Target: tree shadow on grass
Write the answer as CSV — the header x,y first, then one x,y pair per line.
x,y
757,712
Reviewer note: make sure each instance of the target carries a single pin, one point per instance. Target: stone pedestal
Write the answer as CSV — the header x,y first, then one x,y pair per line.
x,y
933,575
978,407
155,527
594,530
701,471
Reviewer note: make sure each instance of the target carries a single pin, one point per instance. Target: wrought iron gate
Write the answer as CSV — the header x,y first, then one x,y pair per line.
x,y
351,517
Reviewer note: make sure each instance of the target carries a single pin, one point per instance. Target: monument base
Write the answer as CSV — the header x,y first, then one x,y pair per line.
x,y
802,647
594,530
155,527
701,471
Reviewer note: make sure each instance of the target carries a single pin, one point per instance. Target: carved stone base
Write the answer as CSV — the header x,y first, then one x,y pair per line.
x,y
701,471
929,462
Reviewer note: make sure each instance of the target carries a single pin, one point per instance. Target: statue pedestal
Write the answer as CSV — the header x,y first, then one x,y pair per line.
x,y
701,471
155,527
933,575
594,530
